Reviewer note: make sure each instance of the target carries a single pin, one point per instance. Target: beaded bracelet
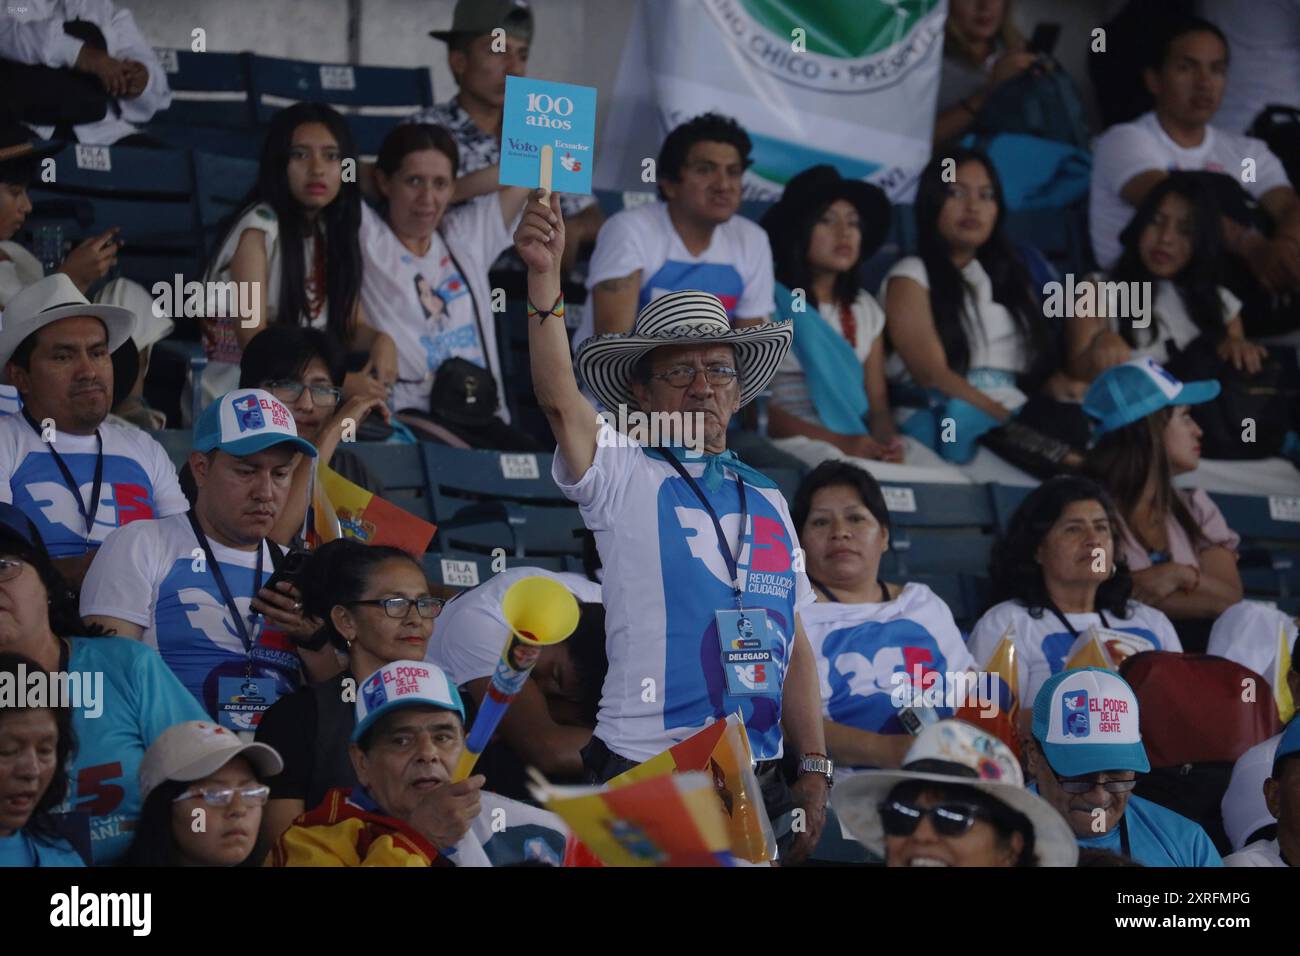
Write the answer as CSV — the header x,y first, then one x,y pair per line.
x,y
556,310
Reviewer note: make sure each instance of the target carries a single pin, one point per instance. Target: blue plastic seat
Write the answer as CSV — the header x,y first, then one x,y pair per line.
x,y
465,569
148,193
480,509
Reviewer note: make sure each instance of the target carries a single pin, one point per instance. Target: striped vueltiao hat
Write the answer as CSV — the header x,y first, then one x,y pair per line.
x,y
688,317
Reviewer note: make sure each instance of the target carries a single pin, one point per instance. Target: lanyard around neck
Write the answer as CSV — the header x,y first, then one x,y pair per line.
x,y
1065,621
733,566
241,625
835,599
66,472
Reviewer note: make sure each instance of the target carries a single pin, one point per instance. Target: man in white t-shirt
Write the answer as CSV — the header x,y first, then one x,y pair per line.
x,y
192,585
702,582
480,59
1187,81
1282,797
75,475
58,40
549,721
693,239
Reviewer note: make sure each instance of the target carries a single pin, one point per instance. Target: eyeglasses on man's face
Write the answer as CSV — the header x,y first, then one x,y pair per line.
x,y
289,391
681,376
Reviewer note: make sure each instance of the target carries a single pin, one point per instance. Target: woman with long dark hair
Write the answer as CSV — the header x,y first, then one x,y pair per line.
x,y
376,608
295,242
138,699
35,744
961,313
1173,244
426,285
829,395
1180,549
1057,573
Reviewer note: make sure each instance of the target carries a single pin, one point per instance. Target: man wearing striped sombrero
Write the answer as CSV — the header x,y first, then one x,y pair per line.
x,y
703,576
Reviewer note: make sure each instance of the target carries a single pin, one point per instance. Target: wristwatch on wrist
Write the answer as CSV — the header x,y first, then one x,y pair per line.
x,y
818,763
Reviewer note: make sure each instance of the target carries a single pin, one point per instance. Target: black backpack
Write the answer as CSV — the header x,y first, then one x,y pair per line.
x,y
1261,398
1279,128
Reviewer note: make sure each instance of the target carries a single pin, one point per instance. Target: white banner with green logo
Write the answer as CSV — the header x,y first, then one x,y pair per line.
x,y
846,82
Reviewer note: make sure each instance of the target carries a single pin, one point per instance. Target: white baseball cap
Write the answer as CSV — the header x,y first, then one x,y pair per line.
x,y
197,748
404,684
1086,721
246,421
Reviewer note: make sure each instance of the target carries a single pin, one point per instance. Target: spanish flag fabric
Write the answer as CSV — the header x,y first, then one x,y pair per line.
x,y
343,509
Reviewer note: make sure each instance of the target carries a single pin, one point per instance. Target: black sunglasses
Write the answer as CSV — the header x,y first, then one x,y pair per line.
x,y
948,819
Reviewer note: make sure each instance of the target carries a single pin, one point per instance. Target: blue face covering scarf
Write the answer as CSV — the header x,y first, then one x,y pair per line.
x,y
715,465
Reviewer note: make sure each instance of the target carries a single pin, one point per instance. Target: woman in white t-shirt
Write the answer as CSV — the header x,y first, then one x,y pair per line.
x,y
831,385
426,282
961,314
871,640
1059,569
315,279
1172,244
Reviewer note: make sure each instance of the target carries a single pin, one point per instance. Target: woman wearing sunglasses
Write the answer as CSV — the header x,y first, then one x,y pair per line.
x,y
377,609
203,797
959,800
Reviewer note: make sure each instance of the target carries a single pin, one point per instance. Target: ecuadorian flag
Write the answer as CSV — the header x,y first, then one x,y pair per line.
x,y
341,509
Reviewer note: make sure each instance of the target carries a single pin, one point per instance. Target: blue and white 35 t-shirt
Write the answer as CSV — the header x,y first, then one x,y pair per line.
x,y
150,573
1042,643
139,482
664,580
860,647
142,698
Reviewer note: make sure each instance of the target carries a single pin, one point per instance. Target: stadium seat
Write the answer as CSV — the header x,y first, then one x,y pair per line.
x,y
485,500
402,470
177,442
1005,499
149,193
221,183
465,569
374,98
211,106
966,595
1269,526
787,480
943,529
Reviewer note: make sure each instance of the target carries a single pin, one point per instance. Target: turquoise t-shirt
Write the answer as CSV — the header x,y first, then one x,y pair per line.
x,y
22,849
141,699
1159,837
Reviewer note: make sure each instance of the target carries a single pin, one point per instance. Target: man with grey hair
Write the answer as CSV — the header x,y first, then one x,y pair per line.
x,y
703,575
